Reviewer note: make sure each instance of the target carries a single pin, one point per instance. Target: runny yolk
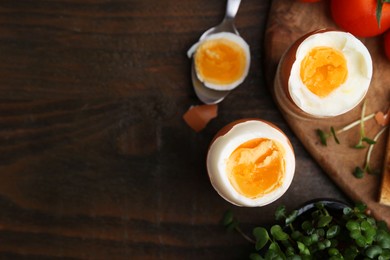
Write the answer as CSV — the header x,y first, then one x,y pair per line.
x,y
220,61
323,70
256,167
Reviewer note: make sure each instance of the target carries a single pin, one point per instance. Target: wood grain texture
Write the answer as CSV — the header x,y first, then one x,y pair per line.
x,y
290,20
384,195
95,159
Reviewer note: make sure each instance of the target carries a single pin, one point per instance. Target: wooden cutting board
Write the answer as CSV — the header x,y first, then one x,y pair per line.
x,y
288,20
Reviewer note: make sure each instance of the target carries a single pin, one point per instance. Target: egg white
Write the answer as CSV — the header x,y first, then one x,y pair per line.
x,y
223,146
231,37
350,93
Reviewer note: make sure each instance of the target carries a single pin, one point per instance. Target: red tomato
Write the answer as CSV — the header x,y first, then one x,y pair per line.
x,y
359,16
387,44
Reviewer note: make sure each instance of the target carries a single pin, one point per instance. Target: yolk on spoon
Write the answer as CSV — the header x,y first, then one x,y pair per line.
x,y
220,61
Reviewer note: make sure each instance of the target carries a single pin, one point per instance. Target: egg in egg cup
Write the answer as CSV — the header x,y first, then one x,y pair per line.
x,y
251,163
323,74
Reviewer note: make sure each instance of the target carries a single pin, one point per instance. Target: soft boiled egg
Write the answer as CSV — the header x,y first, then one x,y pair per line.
x,y
221,60
250,163
330,74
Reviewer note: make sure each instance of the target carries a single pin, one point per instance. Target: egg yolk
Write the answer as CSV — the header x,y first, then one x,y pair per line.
x,y
323,70
220,61
256,167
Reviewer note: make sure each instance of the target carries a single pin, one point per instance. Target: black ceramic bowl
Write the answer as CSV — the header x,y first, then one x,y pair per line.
x,y
334,206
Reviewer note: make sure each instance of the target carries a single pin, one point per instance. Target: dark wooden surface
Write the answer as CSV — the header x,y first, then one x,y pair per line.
x,y
95,159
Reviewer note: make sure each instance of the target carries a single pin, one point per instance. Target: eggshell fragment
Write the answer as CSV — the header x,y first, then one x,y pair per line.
x,y
383,119
197,117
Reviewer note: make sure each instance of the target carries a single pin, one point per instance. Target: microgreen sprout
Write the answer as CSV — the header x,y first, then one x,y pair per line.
x,y
367,167
358,172
363,137
333,132
321,233
231,224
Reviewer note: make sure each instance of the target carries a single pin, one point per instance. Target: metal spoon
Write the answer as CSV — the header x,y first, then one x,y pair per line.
x,y
205,94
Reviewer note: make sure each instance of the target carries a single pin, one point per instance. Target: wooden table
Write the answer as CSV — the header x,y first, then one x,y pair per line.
x,y
96,161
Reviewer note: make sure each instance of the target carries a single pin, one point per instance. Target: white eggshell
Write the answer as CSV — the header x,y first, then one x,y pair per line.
x,y
222,147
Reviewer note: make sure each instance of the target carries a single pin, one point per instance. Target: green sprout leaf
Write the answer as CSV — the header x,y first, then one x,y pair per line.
x,y
289,251
278,233
365,225
320,232
383,238
333,231
303,249
324,221
361,241
262,237
319,205
323,136
324,244
314,238
296,235
334,135
232,225
307,226
359,145
381,225
280,212
385,255
307,241
274,252
355,234
358,172
333,252
291,217
368,140
347,211
352,225
351,252
360,207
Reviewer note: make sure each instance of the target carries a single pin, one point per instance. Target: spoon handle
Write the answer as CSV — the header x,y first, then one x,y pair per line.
x,y
232,8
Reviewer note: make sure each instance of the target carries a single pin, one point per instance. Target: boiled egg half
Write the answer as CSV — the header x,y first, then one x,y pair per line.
x,y
331,73
221,60
250,163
